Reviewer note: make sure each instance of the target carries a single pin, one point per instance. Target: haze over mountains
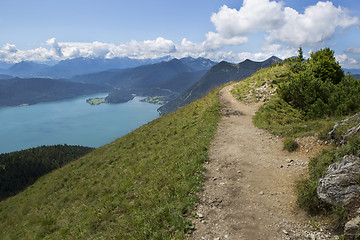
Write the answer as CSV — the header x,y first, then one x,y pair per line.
x,y
71,67
177,81
158,79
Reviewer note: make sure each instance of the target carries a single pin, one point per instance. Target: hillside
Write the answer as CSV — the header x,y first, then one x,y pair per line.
x,y
18,91
160,79
218,75
150,75
141,186
26,69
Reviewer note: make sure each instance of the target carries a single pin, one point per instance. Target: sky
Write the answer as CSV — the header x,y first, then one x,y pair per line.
x,y
230,30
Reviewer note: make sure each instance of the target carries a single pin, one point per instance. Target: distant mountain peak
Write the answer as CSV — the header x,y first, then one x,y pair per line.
x,y
218,75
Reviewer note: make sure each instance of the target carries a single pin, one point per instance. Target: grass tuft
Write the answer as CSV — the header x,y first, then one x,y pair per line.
x,y
290,145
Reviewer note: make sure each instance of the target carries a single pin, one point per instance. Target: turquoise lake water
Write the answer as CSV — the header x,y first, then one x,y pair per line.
x,y
72,122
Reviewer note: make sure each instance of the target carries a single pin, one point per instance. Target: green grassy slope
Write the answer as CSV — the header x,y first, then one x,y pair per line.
x,y
141,186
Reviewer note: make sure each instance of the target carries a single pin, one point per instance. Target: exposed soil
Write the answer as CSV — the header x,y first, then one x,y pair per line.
x,y
249,192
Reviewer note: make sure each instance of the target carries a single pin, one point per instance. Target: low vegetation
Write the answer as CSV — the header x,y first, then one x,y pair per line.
x,y
95,101
306,98
290,144
161,100
141,186
21,169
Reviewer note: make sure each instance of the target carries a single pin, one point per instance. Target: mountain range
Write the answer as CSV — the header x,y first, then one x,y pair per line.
x,y
218,75
71,67
146,80
177,81
168,79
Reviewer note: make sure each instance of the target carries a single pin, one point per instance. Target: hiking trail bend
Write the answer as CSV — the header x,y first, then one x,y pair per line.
x,y
249,192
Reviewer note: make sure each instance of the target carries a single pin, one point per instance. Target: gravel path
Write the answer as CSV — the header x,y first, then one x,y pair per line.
x,y
249,192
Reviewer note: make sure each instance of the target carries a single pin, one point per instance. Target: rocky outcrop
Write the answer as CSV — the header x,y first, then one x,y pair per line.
x,y
351,126
340,184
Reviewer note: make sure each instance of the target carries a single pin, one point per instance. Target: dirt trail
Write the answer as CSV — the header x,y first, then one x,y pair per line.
x,y
249,191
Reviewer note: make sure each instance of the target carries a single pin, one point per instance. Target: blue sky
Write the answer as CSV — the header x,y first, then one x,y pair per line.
x,y
221,30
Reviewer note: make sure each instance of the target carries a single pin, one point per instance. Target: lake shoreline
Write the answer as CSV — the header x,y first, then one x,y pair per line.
x,y
72,122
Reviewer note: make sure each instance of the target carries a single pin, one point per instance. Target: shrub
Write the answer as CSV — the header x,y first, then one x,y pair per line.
x,y
290,144
319,87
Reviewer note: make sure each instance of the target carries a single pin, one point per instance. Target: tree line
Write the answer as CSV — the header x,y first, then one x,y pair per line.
x,y
21,169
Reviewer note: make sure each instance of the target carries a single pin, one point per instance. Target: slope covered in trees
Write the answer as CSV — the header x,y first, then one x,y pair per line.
x,y
21,169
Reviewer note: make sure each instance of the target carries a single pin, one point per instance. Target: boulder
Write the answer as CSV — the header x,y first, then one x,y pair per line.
x,y
340,185
352,227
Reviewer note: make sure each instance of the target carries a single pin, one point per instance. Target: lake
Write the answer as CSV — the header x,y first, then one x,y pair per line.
x,y
72,122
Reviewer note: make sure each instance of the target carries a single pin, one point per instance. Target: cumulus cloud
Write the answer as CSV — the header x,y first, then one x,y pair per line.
x,y
284,29
353,50
55,47
281,24
347,62
317,24
63,50
253,16
271,48
215,41
10,53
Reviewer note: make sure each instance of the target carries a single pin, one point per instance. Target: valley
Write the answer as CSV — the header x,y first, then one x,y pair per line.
x,y
218,167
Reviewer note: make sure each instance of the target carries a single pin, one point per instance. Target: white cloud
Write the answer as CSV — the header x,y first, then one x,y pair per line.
x,y
253,16
317,24
10,53
347,62
282,24
215,41
271,48
354,50
55,47
285,29
10,48
62,50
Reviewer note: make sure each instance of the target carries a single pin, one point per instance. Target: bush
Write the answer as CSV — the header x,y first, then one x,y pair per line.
x,y
319,87
290,144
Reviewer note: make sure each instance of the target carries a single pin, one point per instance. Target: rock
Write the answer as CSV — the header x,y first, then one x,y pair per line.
x,y
261,193
200,215
354,129
352,227
340,185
